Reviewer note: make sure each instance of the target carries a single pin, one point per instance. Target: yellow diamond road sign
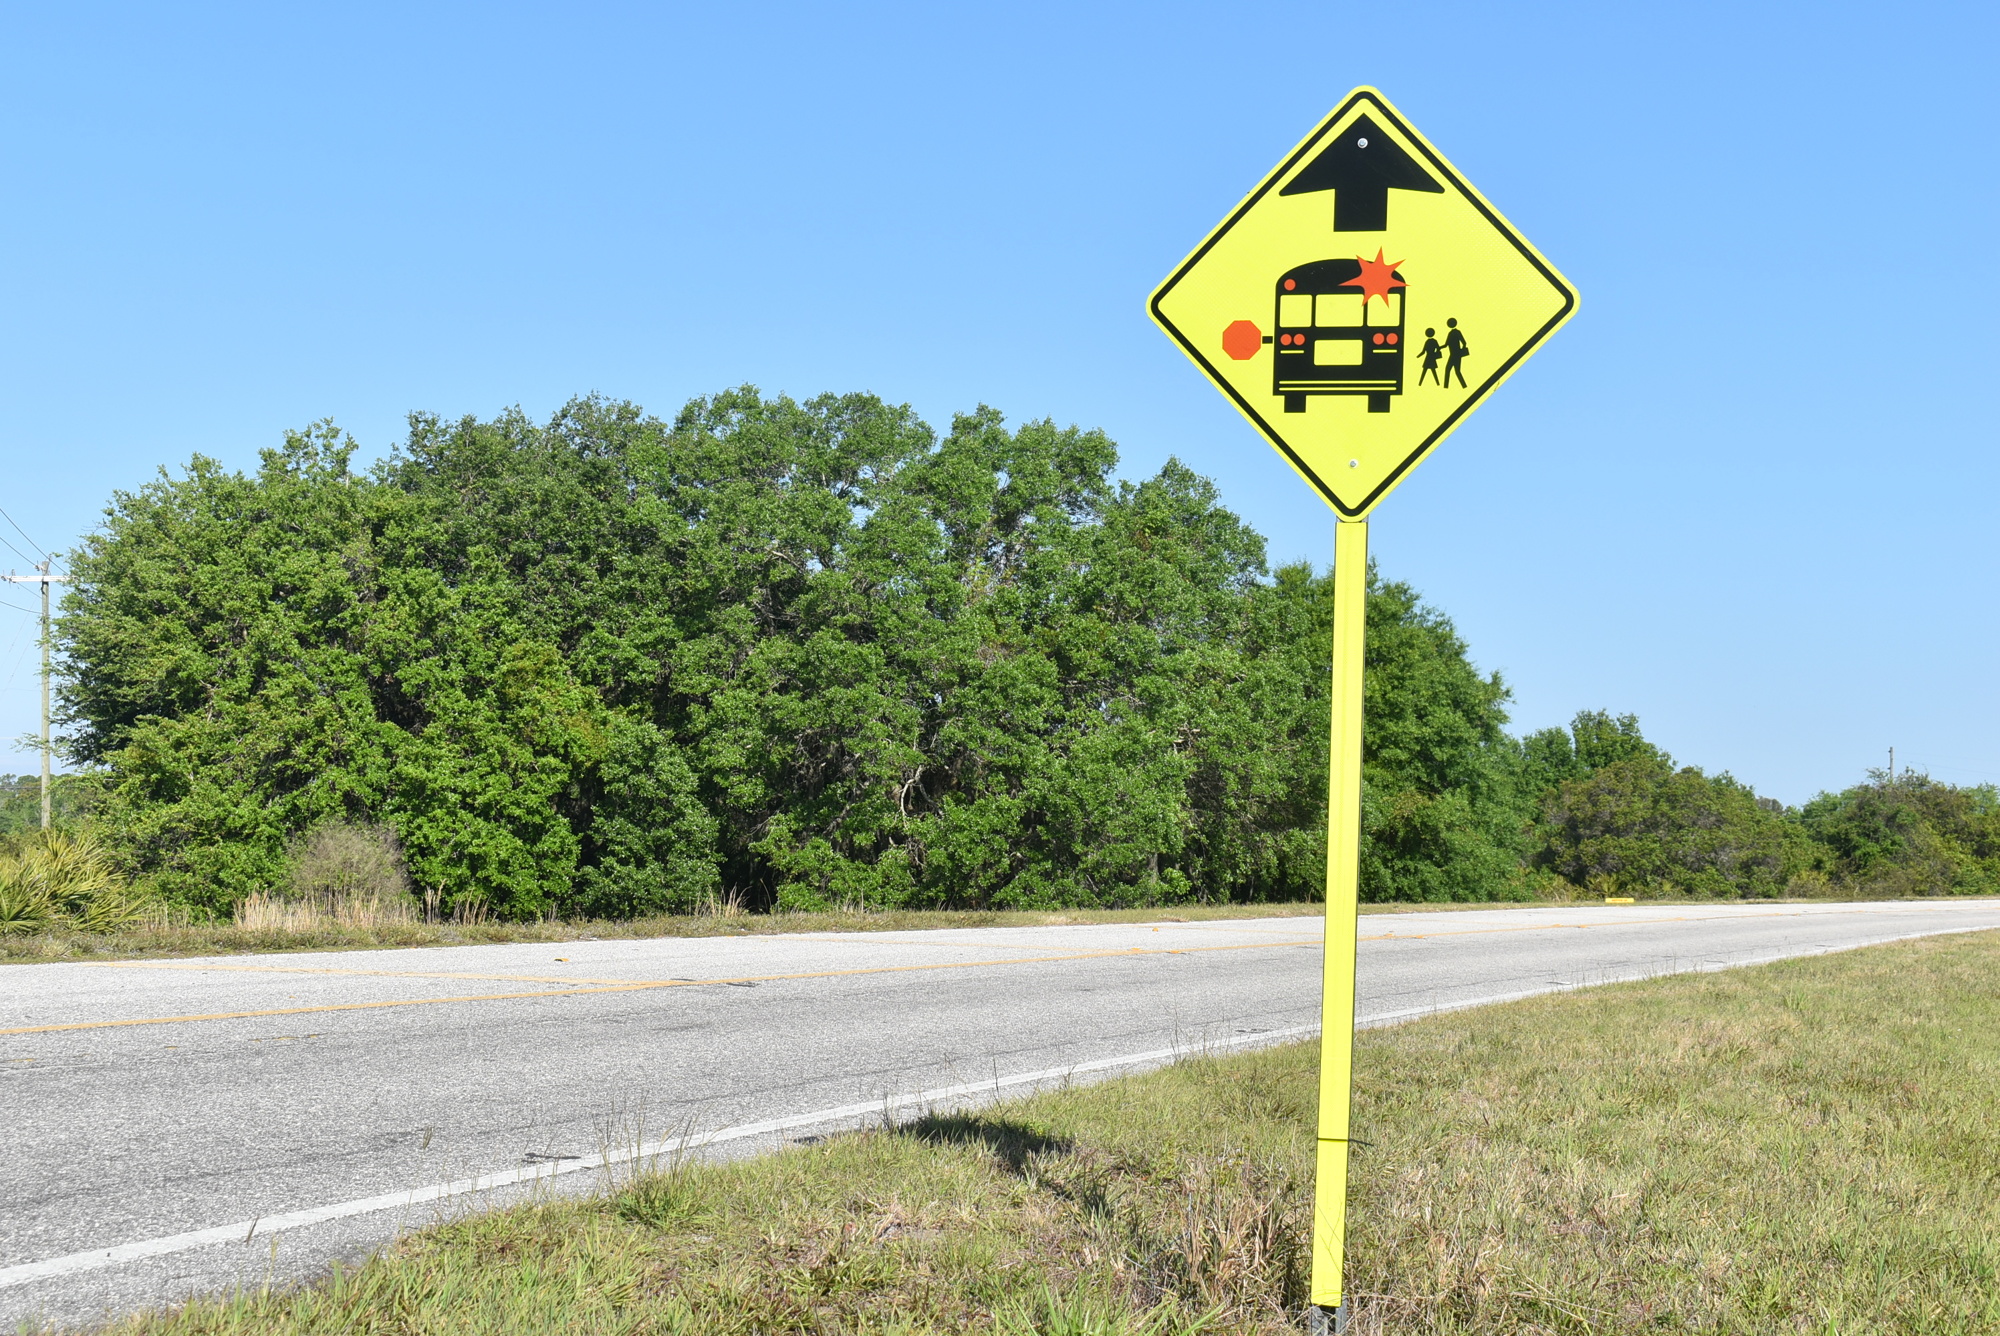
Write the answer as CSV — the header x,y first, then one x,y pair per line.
x,y
1361,301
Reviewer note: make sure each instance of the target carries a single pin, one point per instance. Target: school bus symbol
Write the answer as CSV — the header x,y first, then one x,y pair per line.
x,y
1334,339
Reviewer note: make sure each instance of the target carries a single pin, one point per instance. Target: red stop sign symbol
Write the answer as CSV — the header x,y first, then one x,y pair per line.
x,y
1242,340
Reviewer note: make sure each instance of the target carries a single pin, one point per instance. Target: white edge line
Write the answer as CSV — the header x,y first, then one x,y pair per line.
x,y
244,1230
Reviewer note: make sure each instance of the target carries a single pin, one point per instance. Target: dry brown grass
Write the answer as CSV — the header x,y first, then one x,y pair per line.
x,y
261,914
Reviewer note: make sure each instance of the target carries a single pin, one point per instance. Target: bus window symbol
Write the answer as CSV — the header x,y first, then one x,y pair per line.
x,y
1333,340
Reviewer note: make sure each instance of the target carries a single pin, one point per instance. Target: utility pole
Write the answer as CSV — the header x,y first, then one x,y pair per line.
x,y
44,579
45,693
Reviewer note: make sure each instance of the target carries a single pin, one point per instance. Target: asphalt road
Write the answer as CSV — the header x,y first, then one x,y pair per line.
x,y
184,1126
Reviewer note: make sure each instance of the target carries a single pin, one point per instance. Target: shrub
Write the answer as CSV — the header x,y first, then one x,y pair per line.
x,y
54,877
24,906
342,864
1908,834
1639,823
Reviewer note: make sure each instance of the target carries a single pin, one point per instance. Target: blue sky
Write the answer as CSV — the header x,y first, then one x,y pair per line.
x,y
1747,493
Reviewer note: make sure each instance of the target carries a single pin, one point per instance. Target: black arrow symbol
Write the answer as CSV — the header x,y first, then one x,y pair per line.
x,y
1361,167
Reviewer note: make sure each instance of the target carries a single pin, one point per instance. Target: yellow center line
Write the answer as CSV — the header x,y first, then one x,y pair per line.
x,y
581,988
1055,953
202,966
858,939
644,985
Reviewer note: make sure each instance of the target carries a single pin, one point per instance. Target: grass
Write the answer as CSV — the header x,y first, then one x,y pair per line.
x,y
1805,1147
1809,1146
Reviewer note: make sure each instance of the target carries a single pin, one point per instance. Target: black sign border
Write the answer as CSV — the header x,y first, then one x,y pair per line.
x,y
1472,400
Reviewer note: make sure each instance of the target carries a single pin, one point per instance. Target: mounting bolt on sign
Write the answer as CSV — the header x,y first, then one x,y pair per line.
x,y
1395,299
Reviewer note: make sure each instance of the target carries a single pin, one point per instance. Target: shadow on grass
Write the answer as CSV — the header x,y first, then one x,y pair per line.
x,y
1013,1144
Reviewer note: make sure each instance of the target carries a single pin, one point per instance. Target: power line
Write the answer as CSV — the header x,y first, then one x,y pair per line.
x,y
18,608
24,534
18,552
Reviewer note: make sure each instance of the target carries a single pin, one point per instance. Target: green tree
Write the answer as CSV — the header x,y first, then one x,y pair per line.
x,y
1551,757
1441,810
208,645
1639,824
252,656
1908,834
72,798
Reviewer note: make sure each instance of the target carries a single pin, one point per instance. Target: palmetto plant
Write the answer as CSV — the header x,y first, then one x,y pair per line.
x,y
58,877
23,906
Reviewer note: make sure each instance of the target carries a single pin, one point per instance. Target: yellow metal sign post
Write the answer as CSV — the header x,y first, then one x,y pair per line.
x,y
1355,365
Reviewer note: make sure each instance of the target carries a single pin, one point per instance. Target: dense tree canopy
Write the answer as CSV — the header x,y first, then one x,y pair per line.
x,y
792,654
1907,834
811,654
1639,824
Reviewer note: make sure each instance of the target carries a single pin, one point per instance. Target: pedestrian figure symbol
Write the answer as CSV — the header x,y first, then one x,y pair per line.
x,y
1432,352
1456,351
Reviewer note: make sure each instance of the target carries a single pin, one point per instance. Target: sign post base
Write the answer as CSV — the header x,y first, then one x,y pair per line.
x,y
1326,1321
